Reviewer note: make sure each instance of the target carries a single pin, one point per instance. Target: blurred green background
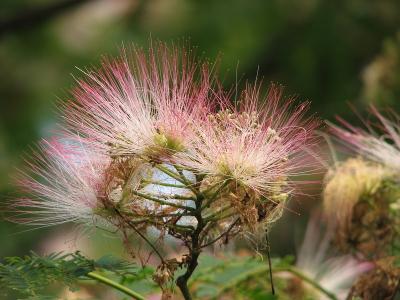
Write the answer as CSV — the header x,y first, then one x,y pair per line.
x,y
330,52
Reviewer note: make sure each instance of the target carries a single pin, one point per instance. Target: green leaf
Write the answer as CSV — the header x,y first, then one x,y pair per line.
x,y
116,265
32,274
219,276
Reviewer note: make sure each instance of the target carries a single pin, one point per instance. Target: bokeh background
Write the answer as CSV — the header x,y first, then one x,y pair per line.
x,y
335,53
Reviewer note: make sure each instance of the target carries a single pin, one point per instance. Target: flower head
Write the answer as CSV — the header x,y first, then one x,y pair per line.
x,y
140,104
355,178
254,149
380,283
66,184
334,273
382,146
369,189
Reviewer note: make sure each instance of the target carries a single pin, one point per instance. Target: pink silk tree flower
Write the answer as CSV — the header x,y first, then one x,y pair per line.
x,y
315,259
141,105
66,183
258,149
378,142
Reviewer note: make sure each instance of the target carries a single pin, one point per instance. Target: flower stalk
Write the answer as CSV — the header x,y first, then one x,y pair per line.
x,y
115,285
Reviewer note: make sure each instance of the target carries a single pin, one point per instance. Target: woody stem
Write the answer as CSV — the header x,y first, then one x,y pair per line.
x,y
194,250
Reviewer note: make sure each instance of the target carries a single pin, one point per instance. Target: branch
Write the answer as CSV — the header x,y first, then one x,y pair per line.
x,y
225,208
179,186
162,202
194,250
178,177
216,193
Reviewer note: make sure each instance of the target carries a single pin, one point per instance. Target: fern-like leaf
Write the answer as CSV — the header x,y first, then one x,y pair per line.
x,y
31,274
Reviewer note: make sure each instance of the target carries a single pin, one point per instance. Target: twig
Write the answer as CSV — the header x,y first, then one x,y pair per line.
x,y
215,194
269,262
162,202
222,234
179,186
218,212
177,177
141,235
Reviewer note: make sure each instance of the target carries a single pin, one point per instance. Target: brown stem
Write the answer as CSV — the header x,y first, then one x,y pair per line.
x,y
182,281
194,251
269,263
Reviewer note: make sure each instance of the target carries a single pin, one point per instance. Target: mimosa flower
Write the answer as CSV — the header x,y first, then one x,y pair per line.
x,y
335,274
381,145
66,184
140,104
69,182
256,151
363,210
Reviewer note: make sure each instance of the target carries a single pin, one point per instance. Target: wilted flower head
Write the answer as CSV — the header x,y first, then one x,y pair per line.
x,y
380,283
140,104
358,198
347,183
254,150
66,184
363,193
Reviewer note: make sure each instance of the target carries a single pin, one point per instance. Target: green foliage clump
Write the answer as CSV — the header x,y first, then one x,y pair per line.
x,y
237,277
32,274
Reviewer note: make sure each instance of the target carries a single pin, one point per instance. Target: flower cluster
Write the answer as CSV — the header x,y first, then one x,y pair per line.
x,y
151,140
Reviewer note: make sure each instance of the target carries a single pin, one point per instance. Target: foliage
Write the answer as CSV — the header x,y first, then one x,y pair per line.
x,y
32,274
236,277
142,281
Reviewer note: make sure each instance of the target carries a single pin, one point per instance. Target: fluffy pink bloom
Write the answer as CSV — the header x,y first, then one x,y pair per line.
x,y
381,146
140,104
65,183
336,274
258,143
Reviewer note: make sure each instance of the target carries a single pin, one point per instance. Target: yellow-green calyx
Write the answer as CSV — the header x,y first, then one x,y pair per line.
x,y
163,144
168,142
